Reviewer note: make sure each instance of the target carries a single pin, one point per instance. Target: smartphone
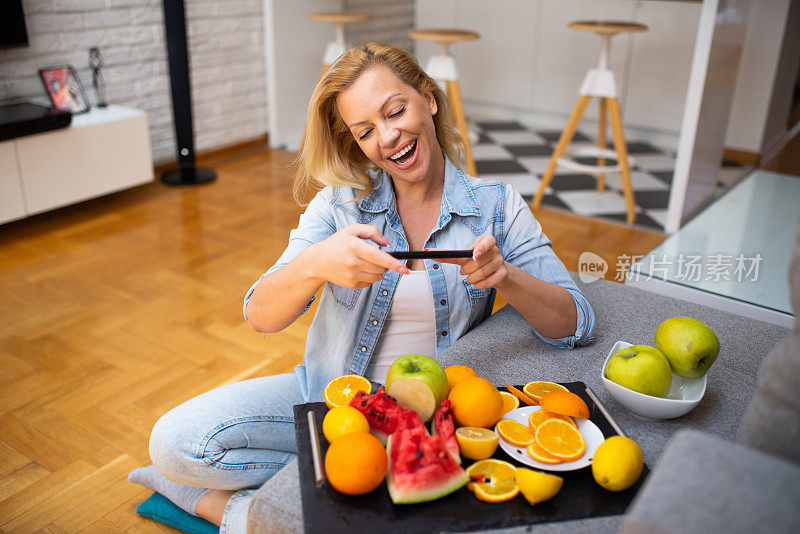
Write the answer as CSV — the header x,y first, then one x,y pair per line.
x,y
431,254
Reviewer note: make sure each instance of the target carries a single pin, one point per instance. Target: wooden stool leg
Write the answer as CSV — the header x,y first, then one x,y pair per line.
x,y
622,156
601,142
563,143
454,96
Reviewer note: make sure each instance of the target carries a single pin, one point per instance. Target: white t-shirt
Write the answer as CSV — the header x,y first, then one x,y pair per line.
x,y
410,326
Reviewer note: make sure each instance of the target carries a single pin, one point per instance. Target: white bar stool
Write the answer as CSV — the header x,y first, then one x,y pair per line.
x,y
600,83
338,46
442,68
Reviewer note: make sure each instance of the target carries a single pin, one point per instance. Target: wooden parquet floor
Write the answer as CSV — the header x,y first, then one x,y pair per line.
x,y
117,309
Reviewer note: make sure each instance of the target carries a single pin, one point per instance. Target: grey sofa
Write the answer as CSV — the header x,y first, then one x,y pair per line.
x,y
706,479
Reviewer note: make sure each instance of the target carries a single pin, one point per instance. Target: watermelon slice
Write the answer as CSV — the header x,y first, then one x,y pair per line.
x,y
444,427
384,415
420,469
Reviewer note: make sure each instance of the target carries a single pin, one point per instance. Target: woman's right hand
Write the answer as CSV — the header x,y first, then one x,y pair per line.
x,y
346,259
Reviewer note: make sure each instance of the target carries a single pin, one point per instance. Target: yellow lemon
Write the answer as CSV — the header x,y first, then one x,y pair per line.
x,y
617,463
476,443
343,420
536,486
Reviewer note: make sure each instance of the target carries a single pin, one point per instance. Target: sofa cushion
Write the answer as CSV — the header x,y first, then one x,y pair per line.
x,y
794,279
275,507
705,484
772,420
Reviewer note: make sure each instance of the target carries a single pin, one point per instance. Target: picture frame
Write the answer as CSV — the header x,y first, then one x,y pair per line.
x,y
64,89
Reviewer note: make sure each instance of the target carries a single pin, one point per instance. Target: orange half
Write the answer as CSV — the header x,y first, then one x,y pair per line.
x,y
565,403
340,390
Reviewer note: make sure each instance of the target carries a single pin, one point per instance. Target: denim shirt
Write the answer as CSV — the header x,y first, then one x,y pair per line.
x,y
348,322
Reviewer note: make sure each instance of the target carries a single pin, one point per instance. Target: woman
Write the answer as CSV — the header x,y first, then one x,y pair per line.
x,y
379,139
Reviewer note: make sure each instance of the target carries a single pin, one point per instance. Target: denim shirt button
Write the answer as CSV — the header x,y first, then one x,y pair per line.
x,y
375,322
444,333
363,349
435,265
443,302
384,292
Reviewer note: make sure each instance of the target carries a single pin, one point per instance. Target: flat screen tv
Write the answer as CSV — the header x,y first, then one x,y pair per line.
x,y
12,24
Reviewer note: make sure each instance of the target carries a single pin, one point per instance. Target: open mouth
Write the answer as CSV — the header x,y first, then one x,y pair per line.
x,y
405,156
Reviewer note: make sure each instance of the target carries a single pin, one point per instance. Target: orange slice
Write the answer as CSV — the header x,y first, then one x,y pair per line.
x,y
520,395
515,433
560,439
540,416
341,389
565,403
536,452
493,480
537,390
510,402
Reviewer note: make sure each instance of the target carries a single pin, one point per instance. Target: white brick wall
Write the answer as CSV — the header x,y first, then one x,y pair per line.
x,y
391,22
226,56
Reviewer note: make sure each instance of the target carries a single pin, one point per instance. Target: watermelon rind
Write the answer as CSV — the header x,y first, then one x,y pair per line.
x,y
449,482
455,483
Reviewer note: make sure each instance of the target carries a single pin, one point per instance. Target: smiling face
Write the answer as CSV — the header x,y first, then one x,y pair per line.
x,y
392,123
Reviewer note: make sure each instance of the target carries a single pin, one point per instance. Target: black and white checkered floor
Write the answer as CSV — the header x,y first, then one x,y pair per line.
x,y
508,151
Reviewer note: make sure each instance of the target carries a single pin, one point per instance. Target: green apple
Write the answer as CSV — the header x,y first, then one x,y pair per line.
x,y
641,368
418,383
689,345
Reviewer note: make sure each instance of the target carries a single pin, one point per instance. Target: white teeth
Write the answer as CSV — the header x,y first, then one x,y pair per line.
x,y
403,152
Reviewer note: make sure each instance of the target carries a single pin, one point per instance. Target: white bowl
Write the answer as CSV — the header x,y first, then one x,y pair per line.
x,y
683,395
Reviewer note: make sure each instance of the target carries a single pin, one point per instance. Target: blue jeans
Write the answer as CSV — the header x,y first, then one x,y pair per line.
x,y
235,437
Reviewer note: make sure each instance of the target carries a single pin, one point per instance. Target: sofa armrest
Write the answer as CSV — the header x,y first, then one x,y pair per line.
x,y
706,484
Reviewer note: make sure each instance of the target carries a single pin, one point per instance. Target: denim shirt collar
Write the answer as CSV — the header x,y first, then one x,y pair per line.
x,y
458,196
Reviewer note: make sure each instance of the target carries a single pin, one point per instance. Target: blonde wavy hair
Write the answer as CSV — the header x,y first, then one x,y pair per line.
x,y
329,154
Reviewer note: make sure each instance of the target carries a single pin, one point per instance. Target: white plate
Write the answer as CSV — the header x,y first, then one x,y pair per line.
x,y
592,435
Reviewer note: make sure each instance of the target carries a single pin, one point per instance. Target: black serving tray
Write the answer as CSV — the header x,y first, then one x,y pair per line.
x,y
326,510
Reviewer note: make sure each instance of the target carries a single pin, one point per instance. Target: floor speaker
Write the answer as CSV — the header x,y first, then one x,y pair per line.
x,y
178,56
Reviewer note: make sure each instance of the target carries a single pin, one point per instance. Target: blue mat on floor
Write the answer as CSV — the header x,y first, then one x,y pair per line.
x,y
161,509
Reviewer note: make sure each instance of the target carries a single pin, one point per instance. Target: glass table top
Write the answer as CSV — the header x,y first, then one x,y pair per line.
x,y
739,247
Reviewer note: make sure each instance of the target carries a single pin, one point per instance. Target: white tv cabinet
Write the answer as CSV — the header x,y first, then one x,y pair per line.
x,y
102,151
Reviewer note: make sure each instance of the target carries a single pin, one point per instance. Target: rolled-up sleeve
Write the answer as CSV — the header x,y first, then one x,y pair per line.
x,y
315,224
527,247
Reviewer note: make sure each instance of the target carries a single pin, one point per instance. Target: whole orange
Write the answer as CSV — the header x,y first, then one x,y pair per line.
x,y
476,402
457,373
356,463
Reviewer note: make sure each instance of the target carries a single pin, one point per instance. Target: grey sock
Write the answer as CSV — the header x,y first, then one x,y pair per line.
x,y
184,497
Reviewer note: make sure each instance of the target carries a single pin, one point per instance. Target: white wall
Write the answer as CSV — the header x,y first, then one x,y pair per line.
x,y
226,58
296,47
392,21
757,74
527,64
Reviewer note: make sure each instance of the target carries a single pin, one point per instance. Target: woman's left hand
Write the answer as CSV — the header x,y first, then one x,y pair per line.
x,y
486,268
